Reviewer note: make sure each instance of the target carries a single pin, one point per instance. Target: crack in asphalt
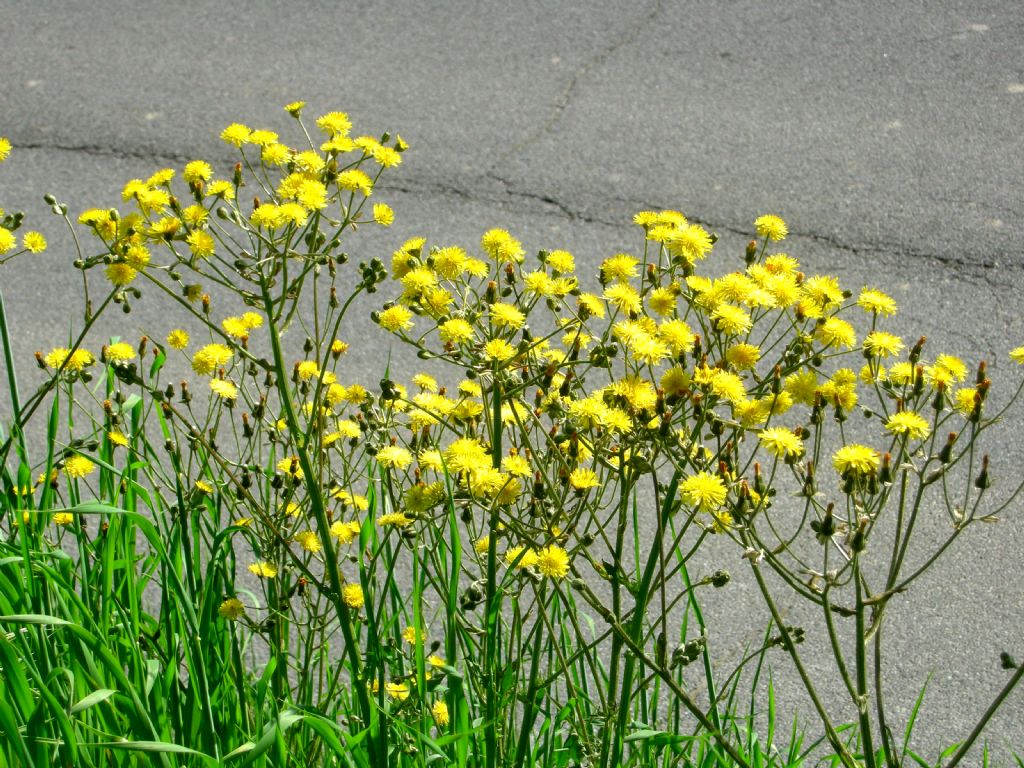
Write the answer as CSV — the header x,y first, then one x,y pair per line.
x,y
976,272
562,102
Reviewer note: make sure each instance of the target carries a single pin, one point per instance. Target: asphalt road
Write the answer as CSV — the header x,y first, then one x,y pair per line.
x,y
887,135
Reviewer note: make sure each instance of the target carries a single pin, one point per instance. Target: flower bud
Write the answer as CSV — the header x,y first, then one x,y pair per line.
x,y
983,481
947,450
751,253
915,352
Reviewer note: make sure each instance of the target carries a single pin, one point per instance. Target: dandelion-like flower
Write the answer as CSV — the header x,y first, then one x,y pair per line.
x,y
771,227
908,423
781,442
263,569
352,595
703,490
78,467
231,609
855,459
553,562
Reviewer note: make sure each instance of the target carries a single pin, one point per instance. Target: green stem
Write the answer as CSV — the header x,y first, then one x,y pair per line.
x,y
378,739
863,716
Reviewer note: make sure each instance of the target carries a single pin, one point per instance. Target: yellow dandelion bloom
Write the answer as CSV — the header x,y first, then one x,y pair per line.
x,y
34,242
781,442
236,134
201,243
210,358
120,352
732,320
355,180
620,267
62,518
352,594
908,423
394,457
456,331
771,227
395,319
836,332
689,244
231,609
224,389
197,172
507,316
77,467
439,711
855,459
553,562
502,247
177,339
703,490
882,344
263,569
876,302
383,214
624,298
309,541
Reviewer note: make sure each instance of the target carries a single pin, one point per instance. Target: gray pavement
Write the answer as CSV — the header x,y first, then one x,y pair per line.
x,y
888,135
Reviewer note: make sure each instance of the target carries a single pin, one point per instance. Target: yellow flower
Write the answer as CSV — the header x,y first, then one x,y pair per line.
x,y
412,637
224,389
345,532
582,478
308,540
312,195
771,227
177,339
5,148
499,350
263,569
703,490
231,609
78,466
383,214
236,134
553,562
210,358
7,240
275,154
731,320
876,302
117,438
63,518
620,267
561,261
223,189
197,172
508,316
396,318
394,456
502,247
119,352
855,459
743,356
439,710
663,300
34,242
689,244
397,691
1017,355
456,331
201,243
908,423
352,594
120,274
837,332
882,344
781,442
624,298
355,180
333,123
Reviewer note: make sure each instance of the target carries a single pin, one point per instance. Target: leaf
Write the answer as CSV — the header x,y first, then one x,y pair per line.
x,y
35,618
92,700
154,746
